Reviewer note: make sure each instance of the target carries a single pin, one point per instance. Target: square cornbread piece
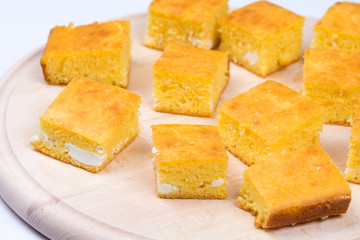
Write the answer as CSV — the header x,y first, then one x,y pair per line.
x,y
262,37
99,51
352,173
185,21
332,80
190,161
189,80
88,124
268,119
339,28
296,187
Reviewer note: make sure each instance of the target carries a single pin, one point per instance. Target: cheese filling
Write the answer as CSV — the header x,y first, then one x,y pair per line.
x,y
252,57
166,188
85,157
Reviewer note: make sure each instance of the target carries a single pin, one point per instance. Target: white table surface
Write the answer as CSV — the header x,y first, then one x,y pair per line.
x,y
25,26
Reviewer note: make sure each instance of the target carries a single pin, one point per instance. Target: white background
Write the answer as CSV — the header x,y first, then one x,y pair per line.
x,y
25,26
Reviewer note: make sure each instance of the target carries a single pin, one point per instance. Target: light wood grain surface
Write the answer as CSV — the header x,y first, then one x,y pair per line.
x,y
63,201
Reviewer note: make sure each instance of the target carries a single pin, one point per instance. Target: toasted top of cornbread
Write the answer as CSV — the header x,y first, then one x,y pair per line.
x,y
189,60
187,142
299,178
323,66
262,19
198,11
355,131
94,37
91,109
271,110
342,17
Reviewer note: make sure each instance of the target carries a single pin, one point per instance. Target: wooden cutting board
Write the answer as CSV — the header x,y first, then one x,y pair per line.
x,y
62,201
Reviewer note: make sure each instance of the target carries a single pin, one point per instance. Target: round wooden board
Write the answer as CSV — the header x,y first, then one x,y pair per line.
x,y
62,201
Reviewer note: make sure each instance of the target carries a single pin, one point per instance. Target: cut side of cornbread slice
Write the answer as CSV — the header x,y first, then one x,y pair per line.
x,y
269,118
189,80
190,161
262,37
332,80
184,21
99,51
296,187
339,28
352,173
88,124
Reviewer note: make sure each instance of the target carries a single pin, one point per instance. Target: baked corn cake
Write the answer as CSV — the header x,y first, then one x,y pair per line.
x,y
189,80
262,37
296,187
332,80
99,51
88,124
190,161
184,21
268,119
339,28
352,173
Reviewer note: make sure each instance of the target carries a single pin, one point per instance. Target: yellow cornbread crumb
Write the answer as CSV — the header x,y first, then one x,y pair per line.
x,y
269,118
262,37
332,80
88,124
189,80
352,173
184,21
99,51
339,28
190,161
299,186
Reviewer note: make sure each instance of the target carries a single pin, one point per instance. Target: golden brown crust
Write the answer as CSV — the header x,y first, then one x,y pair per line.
x,y
190,60
307,213
187,142
341,17
305,185
263,19
93,37
271,105
91,109
332,67
193,196
186,9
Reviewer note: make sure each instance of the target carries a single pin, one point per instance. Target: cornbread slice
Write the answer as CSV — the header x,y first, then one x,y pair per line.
x,y
269,118
332,80
299,186
184,21
99,51
352,173
189,80
339,28
262,37
88,124
190,161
